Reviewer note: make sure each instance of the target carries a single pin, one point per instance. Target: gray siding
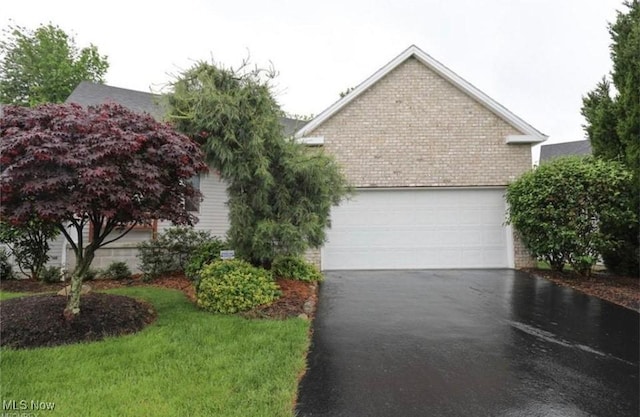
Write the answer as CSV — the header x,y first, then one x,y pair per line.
x,y
55,251
213,214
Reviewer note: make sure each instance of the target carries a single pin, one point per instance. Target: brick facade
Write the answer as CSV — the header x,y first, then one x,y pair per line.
x,y
414,128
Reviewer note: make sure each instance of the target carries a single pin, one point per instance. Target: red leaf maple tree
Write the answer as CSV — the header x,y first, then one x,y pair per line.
x,y
103,166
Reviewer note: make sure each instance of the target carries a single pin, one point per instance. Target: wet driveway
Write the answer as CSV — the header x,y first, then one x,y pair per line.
x,y
467,343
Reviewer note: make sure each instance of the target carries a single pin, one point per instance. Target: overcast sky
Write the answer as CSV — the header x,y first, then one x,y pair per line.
x,y
535,57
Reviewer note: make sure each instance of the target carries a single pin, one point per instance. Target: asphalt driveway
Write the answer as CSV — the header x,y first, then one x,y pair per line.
x,y
493,343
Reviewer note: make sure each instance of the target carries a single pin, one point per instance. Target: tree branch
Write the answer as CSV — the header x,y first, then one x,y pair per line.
x,y
68,237
127,230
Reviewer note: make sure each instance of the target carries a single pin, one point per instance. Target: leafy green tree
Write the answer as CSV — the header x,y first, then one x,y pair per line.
x,y
28,242
613,128
45,65
280,192
557,209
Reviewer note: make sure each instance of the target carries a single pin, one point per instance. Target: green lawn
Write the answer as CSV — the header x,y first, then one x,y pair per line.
x,y
188,363
7,295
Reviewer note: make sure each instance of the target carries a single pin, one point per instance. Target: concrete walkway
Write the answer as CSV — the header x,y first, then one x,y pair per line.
x,y
476,343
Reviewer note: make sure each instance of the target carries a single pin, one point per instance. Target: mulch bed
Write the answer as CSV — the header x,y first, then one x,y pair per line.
x,y
35,321
298,299
621,290
28,322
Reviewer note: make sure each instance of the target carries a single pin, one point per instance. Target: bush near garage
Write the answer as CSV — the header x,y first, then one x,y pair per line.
x,y
557,209
295,267
232,286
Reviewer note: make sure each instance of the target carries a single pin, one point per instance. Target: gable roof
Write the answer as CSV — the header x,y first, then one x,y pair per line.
x,y
556,150
291,126
530,134
90,94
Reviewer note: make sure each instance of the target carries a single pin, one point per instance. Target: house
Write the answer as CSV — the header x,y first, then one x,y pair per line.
x,y
211,212
430,156
557,150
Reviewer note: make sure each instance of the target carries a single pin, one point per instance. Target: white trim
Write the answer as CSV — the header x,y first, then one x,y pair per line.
x,y
511,251
311,140
523,139
63,256
438,68
511,254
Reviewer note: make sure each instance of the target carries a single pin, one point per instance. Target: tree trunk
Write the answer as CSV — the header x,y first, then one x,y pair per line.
x,y
72,309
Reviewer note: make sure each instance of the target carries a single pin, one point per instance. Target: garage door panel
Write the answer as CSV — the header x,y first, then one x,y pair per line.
x,y
387,229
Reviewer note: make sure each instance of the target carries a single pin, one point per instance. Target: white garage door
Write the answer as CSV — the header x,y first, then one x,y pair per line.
x,y
414,229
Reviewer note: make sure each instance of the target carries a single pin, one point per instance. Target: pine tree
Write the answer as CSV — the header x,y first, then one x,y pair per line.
x,y
280,193
613,127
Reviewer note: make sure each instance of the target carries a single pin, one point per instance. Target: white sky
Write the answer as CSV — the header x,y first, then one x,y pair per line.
x,y
535,57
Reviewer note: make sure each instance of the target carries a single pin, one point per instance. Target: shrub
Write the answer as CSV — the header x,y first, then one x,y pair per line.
x,y
117,271
624,258
231,286
29,245
295,267
557,209
91,274
6,270
170,252
204,254
51,274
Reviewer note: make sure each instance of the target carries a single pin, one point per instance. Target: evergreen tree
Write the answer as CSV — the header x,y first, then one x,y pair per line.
x,y
280,193
613,128
625,54
599,109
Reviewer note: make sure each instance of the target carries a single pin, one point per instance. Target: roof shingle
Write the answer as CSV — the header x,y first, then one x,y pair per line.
x,y
557,150
91,94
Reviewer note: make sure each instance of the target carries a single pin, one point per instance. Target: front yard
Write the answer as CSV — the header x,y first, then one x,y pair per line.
x,y
188,362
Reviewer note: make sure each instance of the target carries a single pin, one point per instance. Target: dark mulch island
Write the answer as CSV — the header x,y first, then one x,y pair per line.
x,y
35,321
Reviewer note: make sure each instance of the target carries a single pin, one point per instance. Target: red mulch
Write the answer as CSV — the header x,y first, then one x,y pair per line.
x,y
35,321
298,299
621,290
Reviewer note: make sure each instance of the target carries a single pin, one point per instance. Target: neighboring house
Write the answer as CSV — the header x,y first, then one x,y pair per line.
x,y
430,156
557,150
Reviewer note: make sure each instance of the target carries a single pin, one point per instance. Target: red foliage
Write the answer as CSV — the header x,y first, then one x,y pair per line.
x,y
106,165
